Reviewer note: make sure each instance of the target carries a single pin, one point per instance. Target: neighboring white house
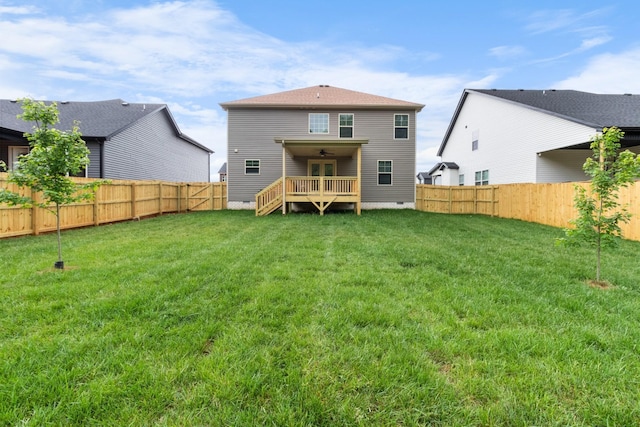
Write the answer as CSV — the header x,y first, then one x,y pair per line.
x,y
514,136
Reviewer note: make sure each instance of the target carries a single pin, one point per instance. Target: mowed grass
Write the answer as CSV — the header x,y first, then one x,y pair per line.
x,y
390,318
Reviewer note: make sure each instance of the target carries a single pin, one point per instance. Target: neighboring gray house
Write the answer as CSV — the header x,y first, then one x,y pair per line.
x,y
222,172
126,140
330,146
536,136
423,178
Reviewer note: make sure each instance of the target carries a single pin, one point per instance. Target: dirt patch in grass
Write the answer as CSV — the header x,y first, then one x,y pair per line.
x,y
600,284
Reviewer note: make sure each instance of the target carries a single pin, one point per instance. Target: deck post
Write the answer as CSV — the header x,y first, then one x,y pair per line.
x,y
284,180
359,184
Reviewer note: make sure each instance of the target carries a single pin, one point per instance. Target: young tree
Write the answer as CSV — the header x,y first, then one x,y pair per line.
x,y
599,212
53,156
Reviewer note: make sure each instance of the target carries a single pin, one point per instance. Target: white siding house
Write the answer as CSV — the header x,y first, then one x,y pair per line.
x,y
517,136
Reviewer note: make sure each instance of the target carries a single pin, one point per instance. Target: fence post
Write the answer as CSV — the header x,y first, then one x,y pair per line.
x,y
179,196
475,199
211,198
160,191
187,201
96,208
493,200
133,199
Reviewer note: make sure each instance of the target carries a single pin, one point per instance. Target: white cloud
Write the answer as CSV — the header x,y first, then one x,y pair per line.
x,y
17,10
594,42
192,54
607,73
507,52
544,21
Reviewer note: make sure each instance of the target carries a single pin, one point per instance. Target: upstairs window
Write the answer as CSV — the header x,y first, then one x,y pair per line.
x,y
475,137
346,125
385,170
482,177
401,126
318,122
252,167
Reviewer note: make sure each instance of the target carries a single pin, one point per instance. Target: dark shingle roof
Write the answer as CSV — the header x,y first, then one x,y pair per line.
x,y
591,109
443,165
98,119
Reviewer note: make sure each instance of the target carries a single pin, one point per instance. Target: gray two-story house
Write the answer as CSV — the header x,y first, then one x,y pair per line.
x,y
138,141
321,148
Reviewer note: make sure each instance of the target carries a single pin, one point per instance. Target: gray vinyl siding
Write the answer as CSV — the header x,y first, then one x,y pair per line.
x,y
150,149
379,126
252,131
94,160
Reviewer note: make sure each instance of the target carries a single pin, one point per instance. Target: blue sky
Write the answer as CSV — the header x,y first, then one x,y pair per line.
x,y
192,55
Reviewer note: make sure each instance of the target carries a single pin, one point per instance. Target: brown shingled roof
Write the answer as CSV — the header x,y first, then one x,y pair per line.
x,y
322,96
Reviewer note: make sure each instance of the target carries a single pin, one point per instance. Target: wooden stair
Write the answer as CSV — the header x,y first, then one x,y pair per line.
x,y
269,199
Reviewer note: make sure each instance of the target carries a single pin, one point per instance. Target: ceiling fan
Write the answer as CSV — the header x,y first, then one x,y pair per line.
x,y
323,153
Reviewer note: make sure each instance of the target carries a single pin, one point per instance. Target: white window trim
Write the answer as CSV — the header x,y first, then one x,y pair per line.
x,y
378,173
328,124
14,152
353,125
475,140
396,127
481,181
252,160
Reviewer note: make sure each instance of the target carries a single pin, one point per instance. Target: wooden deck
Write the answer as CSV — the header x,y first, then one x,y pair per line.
x,y
317,190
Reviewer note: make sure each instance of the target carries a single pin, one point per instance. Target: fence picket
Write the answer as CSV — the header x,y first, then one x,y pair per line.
x,y
118,201
549,204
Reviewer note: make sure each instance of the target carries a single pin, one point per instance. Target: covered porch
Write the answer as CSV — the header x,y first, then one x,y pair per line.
x,y
323,185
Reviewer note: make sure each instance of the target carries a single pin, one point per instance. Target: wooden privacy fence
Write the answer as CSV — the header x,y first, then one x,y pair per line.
x,y
550,204
117,201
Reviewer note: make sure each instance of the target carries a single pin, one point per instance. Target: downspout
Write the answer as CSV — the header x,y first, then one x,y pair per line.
x,y
284,179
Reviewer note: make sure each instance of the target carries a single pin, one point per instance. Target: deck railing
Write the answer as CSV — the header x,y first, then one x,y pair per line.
x,y
269,199
322,185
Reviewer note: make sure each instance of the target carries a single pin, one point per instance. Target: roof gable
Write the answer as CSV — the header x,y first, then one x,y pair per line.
x,y
98,119
322,96
590,109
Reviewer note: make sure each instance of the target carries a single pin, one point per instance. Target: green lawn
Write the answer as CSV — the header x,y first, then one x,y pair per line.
x,y
390,318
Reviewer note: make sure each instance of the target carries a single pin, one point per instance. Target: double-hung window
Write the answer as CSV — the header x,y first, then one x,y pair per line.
x,y
319,123
385,170
482,177
401,126
252,167
475,137
346,125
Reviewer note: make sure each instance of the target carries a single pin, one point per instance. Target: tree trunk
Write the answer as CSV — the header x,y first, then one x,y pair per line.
x,y
598,255
59,264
